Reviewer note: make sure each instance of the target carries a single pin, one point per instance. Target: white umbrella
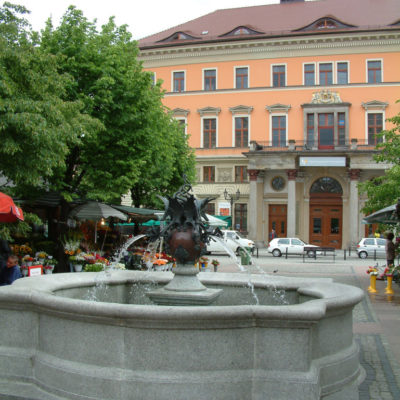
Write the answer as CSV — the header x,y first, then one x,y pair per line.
x,y
214,221
95,211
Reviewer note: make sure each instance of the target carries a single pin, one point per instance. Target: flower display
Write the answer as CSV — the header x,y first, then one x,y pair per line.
x,y
215,262
27,258
391,270
203,259
41,254
372,271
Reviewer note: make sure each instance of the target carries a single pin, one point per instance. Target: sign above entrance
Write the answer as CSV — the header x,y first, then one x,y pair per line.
x,y
322,161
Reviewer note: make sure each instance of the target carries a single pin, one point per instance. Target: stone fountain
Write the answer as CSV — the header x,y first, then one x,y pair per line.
x,y
55,344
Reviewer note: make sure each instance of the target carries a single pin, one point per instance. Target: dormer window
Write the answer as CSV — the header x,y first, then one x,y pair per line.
x,y
242,31
326,23
178,36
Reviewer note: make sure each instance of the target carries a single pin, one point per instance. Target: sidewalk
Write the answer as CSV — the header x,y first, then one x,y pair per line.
x,y
376,320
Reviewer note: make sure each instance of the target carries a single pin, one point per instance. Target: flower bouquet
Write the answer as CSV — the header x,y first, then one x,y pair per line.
x,y
215,264
48,269
372,271
27,259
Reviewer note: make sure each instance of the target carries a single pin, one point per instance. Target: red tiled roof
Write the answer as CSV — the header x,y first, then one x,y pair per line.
x,y
282,19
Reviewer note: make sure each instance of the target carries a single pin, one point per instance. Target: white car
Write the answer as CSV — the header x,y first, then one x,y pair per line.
x,y
279,246
232,239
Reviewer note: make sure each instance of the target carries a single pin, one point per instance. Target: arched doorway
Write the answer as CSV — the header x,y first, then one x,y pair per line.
x,y
326,210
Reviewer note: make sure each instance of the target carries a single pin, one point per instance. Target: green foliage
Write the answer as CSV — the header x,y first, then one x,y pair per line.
x,y
97,267
19,228
36,124
139,141
384,190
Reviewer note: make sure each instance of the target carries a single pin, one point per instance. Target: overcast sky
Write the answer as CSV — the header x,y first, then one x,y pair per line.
x,y
143,17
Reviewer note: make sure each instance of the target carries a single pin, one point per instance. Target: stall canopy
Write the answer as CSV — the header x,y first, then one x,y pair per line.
x,y
140,215
387,215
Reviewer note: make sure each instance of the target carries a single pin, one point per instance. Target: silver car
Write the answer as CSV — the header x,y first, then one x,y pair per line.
x,y
371,247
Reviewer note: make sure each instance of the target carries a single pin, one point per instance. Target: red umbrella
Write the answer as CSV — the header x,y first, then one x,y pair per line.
x,y
9,212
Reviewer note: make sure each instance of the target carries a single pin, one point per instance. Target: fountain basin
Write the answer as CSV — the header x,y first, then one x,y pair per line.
x,y
55,345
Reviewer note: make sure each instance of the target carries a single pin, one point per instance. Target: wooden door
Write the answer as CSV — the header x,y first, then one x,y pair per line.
x,y
326,222
277,217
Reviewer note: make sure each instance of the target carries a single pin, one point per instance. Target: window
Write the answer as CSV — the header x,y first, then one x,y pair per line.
x,y
325,74
326,131
278,131
310,130
240,217
208,174
309,74
341,118
210,79
242,78
241,174
179,81
374,71
375,125
210,209
209,133
241,131
342,73
278,75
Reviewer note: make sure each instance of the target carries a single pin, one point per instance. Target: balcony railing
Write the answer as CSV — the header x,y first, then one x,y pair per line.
x,y
301,145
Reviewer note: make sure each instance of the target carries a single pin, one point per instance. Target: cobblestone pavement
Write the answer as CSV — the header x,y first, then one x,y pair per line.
x,y
376,319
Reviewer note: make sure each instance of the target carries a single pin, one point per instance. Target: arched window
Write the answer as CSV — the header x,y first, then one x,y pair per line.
x,y
326,185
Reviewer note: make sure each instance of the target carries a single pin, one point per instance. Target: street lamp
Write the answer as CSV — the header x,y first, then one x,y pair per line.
x,y
232,198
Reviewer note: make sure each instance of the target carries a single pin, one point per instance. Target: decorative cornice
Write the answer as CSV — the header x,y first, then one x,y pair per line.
x,y
278,108
209,111
375,105
241,109
180,112
276,44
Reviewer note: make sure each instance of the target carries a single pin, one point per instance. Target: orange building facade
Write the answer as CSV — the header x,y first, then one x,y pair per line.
x,y
282,103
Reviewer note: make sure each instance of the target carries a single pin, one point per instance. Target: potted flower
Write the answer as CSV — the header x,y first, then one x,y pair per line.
x,y
77,261
49,264
389,272
215,264
24,269
27,259
203,262
373,273
41,255
48,269
95,267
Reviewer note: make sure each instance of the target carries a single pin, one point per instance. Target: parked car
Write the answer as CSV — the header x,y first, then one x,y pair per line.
x,y
232,239
279,246
370,247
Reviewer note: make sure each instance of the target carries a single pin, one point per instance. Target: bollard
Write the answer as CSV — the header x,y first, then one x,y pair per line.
x,y
389,289
344,254
372,284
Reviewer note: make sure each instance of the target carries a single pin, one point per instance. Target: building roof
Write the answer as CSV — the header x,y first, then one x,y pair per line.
x,y
285,19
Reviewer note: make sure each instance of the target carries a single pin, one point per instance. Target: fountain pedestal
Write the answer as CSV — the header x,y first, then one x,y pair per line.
x,y
184,289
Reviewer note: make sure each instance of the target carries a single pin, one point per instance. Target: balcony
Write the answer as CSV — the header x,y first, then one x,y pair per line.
x,y
304,146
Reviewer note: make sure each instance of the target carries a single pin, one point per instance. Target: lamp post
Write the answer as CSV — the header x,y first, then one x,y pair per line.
x,y
232,198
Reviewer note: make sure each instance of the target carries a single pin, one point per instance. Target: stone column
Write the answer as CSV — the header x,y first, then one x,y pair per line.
x,y
354,212
253,212
291,205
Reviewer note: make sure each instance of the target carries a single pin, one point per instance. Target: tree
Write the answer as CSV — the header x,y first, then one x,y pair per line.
x,y
37,126
384,190
109,80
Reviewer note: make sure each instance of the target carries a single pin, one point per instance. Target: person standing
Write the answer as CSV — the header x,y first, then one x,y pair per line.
x,y
272,234
390,249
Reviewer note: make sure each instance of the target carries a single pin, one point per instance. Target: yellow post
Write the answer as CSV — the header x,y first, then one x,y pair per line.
x,y
389,289
372,285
